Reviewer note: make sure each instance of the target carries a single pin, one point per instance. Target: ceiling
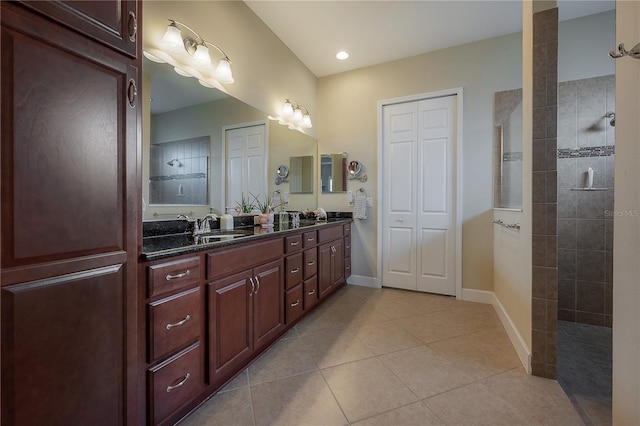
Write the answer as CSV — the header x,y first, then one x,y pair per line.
x,y
374,32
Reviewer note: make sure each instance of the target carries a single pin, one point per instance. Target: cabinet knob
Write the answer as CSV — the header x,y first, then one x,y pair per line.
x,y
297,302
179,323
170,277
133,27
180,383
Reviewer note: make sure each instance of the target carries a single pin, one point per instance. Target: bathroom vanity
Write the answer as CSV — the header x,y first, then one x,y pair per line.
x,y
213,303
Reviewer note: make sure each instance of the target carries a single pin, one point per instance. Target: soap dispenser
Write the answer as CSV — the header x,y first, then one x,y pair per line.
x,y
226,221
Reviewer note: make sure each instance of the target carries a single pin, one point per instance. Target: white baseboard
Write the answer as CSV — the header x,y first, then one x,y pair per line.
x,y
479,296
363,281
489,298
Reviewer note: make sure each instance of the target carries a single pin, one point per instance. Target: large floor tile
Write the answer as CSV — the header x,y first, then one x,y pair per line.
x,y
226,408
366,388
298,400
476,404
240,381
335,347
425,372
542,400
385,337
286,358
416,414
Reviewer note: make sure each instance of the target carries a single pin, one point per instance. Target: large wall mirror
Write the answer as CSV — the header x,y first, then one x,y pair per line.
x,y
507,168
184,161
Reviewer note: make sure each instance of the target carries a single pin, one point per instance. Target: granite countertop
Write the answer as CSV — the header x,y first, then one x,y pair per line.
x,y
166,245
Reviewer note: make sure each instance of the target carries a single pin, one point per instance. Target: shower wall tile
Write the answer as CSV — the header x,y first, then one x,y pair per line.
x,y
567,294
590,204
567,264
567,234
566,203
590,318
590,296
590,265
567,173
590,234
545,193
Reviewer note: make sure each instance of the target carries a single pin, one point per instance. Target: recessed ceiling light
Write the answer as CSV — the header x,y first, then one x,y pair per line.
x,y
342,55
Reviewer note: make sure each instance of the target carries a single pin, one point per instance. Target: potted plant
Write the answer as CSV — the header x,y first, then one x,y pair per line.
x,y
266,208
245,207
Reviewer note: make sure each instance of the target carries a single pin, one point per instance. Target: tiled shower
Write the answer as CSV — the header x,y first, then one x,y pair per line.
x,y
585,217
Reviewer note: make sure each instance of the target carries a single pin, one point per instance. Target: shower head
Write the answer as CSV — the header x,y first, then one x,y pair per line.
x,y
172,162
612,116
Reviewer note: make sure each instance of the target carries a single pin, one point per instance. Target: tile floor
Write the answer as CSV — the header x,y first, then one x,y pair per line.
x,y
584,369
390,357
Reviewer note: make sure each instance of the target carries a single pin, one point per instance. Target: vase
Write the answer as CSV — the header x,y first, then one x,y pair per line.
x,y
265,220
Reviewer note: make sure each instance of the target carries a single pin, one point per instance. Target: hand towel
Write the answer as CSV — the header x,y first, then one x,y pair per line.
x,y
360,208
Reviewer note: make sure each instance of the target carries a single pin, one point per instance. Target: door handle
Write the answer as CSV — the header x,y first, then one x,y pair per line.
x,y
253,287
257,285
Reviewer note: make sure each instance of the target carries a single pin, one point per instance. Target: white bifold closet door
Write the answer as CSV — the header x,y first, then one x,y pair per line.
x,y
419,211
245,163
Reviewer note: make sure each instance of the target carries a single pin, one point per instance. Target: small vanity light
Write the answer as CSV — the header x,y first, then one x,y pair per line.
x,y
342,55
201,55
294,116
223,71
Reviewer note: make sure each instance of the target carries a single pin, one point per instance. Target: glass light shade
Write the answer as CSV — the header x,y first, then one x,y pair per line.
x,y
173,36
205,84
306,121
223,72
201,55
287,109
152,57
297,115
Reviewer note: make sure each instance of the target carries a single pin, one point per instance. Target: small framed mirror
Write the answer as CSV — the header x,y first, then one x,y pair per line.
x,y
333,171
354,169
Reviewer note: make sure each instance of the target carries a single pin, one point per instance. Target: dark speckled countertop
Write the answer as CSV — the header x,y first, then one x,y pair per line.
x,y
173,244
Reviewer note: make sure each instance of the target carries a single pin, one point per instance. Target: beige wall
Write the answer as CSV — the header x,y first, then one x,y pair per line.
x,y
626,238
347,121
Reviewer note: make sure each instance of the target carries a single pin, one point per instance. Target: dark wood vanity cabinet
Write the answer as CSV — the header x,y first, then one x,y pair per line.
x,y
245,309
331,259
70,216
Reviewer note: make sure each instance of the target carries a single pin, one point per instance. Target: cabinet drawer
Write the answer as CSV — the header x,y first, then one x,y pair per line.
x,y
174,382
170,276
347,229
347,246
293,243
310,288
310,263
174,322
294,304
328,234
347,267
309,239
224,262
293,270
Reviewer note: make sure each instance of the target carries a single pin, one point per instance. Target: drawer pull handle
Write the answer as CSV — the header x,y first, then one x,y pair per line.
x,y
295,243
348,247
257,285
293,305
312,292
310,239
348,267
180,383
311,263
295,271
179,323
253,287
176,276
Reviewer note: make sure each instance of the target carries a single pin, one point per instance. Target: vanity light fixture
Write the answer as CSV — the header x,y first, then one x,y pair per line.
x,y
294,116
190,56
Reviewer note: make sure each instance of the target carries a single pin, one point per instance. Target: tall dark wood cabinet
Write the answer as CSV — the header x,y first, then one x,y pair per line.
x,y
70,212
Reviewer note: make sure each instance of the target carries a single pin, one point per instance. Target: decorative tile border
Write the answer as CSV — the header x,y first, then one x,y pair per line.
x,y
512,156
179,177
587,151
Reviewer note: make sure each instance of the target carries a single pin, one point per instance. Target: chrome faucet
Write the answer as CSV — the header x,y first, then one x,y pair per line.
x,y
205,226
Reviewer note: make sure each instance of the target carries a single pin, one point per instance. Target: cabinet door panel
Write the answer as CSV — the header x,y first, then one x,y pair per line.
x,y
113,22
268,316
62,350
230,320
325,268
64,117
338,262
